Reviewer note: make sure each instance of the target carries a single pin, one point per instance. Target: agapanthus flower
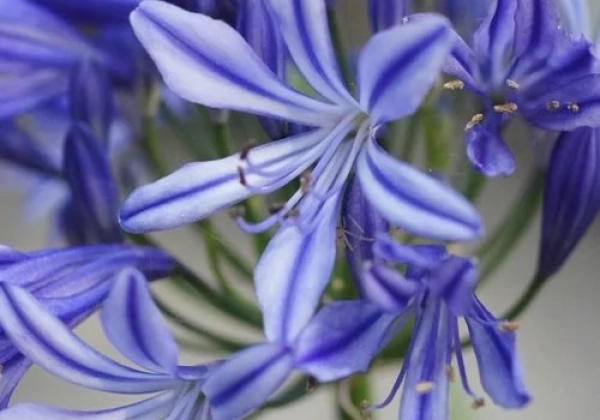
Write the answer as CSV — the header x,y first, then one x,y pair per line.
x,y
383,14
135,327
523,62
206,61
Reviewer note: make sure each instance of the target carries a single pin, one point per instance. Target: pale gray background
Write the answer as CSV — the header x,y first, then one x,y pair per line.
x,y
559,343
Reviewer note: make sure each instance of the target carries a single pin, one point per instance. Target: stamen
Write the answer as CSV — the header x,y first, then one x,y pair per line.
x,y
305,181
451,373
512,84
454,85
276,208
508,108
477,118
242,176
478,403
509,326
424,387
365,410
552,105
573,107
236,212
311,383
246,149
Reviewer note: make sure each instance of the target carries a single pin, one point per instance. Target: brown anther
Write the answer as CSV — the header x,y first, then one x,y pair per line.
x,y
276,208
477,118
512,84
451,373
509,326
478,403
236,212
424,387
246,149
292,213
365,410
242,176
311,383
508,108
552,105
454,85
574,108
305,181
337,284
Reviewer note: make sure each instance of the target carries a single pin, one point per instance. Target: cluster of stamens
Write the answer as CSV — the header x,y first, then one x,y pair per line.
x,y
556,105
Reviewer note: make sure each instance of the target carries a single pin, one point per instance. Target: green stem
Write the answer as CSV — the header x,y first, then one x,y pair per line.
x,y
351,394
338,45
533,289
498,246
437,150
293,392
475,184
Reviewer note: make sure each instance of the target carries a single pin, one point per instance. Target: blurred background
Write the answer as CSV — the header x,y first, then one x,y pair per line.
x,y
558,340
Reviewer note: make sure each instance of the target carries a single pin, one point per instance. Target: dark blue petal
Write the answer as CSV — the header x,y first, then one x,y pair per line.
x,y
425,257
571,196
499,366
386,288
537,26
92,11
94,192
12,372
486,148
18,147
244,382
462,64
383,14
453,282
342,339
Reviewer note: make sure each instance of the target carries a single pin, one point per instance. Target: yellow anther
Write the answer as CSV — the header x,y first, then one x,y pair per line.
x,y
512,84
552,105
454,85
477,118
509,326
574,108
508,108
424,387
478,403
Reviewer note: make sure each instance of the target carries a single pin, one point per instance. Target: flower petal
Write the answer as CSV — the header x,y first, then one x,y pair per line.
x,y
51,345
571,196
384,14
303,25
486,149
414,201
499,366
402,62
134,325
94,191
244,382
293,272
537,26
154,408
386,288
12,372
206,61
453,282
342,339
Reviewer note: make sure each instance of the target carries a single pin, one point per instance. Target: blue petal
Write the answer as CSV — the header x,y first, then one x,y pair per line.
x,y
154,408
134,325
342,339
386,288
571,196
92,11
499,366
419,256
453,281
303,25
91,98
576,14
383,14
51,345
487,150
94,191
206,61
198,190
414,201
402,62
12,372
293,272
20,148
537,26
244,382
462,64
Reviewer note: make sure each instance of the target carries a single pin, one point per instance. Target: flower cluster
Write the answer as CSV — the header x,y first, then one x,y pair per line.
x,y
361,242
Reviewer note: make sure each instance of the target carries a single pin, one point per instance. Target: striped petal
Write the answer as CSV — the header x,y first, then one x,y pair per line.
x,y
386,288
244,382
206,61
384,14
414,201
398,67
134,325
303,25
293,272
51,345
198,190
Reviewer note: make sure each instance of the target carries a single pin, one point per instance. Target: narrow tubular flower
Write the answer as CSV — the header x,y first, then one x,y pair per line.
x,y
571,196
401,62
135,327
521,55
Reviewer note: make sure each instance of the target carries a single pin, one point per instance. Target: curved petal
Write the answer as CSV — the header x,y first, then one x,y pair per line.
x,y
414,201
12,372
576,15
384,14
134,325
198,190
499,365
293,272
342,339
206,61
453,282
386,288
487,151
462,64
303,25
50,344
244,382
154,408
424,257
398,67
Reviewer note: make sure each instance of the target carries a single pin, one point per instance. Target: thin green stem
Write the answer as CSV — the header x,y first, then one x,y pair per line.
x,y
338,45
520,306
351,394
